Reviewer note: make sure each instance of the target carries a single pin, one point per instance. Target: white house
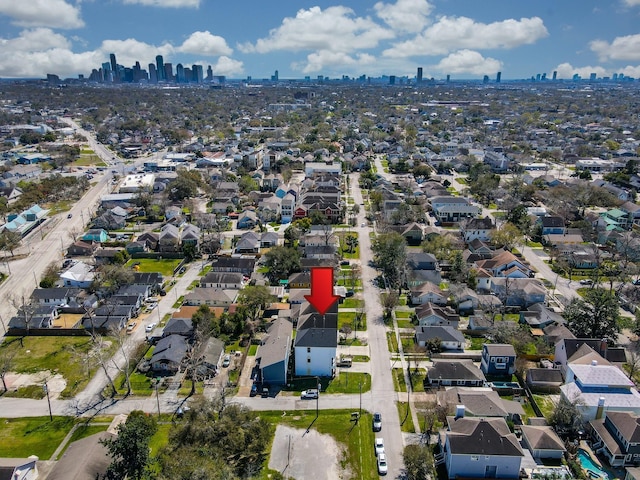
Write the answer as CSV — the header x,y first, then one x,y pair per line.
x,y
316,342
80,275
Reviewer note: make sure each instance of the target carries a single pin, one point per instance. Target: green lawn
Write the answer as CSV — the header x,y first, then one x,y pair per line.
x,y
346,382
361,358
401,314
66,356
545,404
344,248
160,438
22,437
356,437
417,380
88,159
350,317
405,323
476,343
352,303
165,266
391,342
253,349
408,343
398,380
406,420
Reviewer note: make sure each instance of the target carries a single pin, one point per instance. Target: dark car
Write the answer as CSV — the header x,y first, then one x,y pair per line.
x,y
265,392
254,390
377,422
636,281
70,215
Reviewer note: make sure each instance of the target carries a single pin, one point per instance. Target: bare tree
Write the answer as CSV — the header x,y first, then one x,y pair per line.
x,y
7,356
100,351
25,308
122,338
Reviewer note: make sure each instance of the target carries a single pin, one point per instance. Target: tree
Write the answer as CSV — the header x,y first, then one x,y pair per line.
x,y
390,256
6,363
566,417
50,276
351,240
419,462
9,241
508,236
129,451
111,277
282,262
389,301
204,321
595,315
255,298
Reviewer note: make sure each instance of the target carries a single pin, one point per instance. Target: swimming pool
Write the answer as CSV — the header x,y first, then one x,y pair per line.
x,y
592,469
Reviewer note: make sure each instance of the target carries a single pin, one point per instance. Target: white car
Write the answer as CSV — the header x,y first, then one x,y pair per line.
x,y
150,327
131,327
362,224
382,464
311,393
379,445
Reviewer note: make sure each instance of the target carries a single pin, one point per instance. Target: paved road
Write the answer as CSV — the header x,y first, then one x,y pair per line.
x,y
383,394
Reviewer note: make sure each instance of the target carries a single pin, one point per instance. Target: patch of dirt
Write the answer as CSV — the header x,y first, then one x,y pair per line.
x,y
56,383
300,454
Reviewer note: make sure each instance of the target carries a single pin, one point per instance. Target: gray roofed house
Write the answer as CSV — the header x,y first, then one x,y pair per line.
x,y
178,326
455,372
316,342
450,338
55,295
273,353
542,442
213,297
478,402
546,380
234,264
168,354
226,280
84,459
481,447
317,337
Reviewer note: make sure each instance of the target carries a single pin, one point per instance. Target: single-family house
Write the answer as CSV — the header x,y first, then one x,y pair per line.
x,y
479,447
454,372
498,359
422,261
477,229
552,225
449,337
168,355
505,264
544,380
617,437
248,243
224,280
247,219
79,275
316,343
543,442
518,292
98,235
272,357
82,249
539,315
427,293
242,265
449,209
212,297
431,315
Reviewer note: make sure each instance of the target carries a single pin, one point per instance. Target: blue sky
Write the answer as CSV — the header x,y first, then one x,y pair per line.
x,y
464,38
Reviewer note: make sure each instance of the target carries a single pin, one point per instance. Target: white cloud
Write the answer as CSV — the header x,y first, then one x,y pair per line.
x,y
166,3
324,59
131,50
334,29
42,13
33,53
227,66
204,43
566,70
449,34
632,3
405,15
468,61
622,48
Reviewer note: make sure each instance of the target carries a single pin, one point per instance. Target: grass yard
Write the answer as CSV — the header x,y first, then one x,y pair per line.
x,y
417,380
350,318
28,391
360,358
476,342
253,349
391,342
403,323
160,438
351,303
346,382
403,314
344,248
165,266
63,355
408,343
406,420
398,380
357,438
22,437
402,301
545,404
88,158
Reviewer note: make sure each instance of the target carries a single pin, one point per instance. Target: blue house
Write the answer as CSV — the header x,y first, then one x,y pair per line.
x,y
273,354
96,235
498,359
247,219
552,225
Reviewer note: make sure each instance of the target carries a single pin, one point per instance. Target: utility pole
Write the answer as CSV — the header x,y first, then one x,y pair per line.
x,y
3,326
318,397
157,396
360,411
45,387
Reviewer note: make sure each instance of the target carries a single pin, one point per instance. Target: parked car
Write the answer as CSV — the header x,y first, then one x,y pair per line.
x,y
311,393
586,281
70,215
226,361
131,327
382,464
636,281
265,392
377,422
150,327
379,445
254,390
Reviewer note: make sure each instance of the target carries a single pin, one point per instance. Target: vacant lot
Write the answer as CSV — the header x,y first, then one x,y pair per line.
x,y
71,357
165,266
21,437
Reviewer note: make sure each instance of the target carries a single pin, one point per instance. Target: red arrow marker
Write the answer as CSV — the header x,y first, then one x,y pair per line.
x,y
322,297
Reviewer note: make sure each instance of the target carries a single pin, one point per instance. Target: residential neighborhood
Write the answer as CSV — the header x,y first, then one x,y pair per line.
x,y
484,257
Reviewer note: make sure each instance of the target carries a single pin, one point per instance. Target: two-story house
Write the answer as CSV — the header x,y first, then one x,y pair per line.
x,y
455,372
224,280
477,229
617,437
431,315
316,343
498,359
480,447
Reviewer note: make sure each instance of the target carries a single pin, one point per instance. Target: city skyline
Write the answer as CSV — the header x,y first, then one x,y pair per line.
x,y
465,39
